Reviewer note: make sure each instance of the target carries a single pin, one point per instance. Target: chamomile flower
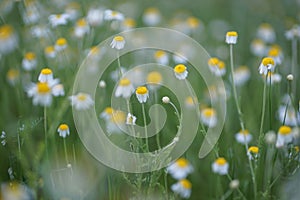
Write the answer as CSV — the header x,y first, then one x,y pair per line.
x,y
116,122
275,52
154,79
81,101
128,23
208,117
231,37
60,44
50,52
63,130
182,188
58,90
41,93
193,22
29,61
58,19
180,71
267,64
118,42
8,39
151,16
73,10
107,113
142,94
213,64
46,75
39,31
180,169
284,136
221,69
243,137
252,152
110,15
12,76
82,28
161,57
294,32
220,166
288,115
130,119
258,47
189,102
124,88
266,33
31,15
241,75
95,16
270,137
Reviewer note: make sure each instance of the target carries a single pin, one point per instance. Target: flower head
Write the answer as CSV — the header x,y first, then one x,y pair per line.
x,y
81,101
180,169
284,136
243,137
63,130
130,119
60,44
180,71
95,16
142,94
12,76
118,42
220,166
266,33
231,37
241,75
110,15
161,57
50,51
253,152
59,19
29,61
154,79
82,28
183,188
151,16
8,39
124,88
267,64
209,117
46,75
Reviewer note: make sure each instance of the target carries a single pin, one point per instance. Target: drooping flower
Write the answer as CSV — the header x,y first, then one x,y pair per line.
x,y
118,42
231,37
50,52
151,16
241,75
183,188
180,169
29,61
266,32
154,79
95,16
82,28
46,75
110,15
267,64
220,166
107,113
284,136
209,117
293,33
60,44
252,152
8,39
142,94
161,57
63,130
243,136
180,71
124,88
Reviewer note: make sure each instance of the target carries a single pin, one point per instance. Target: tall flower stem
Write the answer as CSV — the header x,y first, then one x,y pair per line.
x,y
45,131
145,125
119,64
66,152
294,64
156,123
260,138
242,124
270,102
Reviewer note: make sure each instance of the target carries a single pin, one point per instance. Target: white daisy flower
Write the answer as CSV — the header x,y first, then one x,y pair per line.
x,y
29,61
41,93
220,70
258,48
213,64
288,116
275,52
46,75
241,75
151,17
294,32
118,42
95,16
161,57
270,137
60,44
180,169
220,166
110,15
267,64
50,52
243,137
59,19
116,123
58,90
128,23
124,88
209,117
12,76
81,101
189,102
284,136
252,152
8,39
142,94
107,113
154,79
82,28
266,33
183,188
73,10
130,119
231,37
39,31
63,130
180,71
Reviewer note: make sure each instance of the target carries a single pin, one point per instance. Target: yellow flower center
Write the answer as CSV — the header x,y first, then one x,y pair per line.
x,y
231,34
265,26
5,31
63,127
119,38
118,117
152,11
130,22
213,61
221,65
189,100
141,90
109,110
179,68
46,71
182,162
61,42
81,22
49,49
154,77
114,13
12,74
43,88
285,130
186,184
193,22
221,161
268,61
274,52
94,50
159,54
30,56
124,82
81,97
209,112
244,132
253,149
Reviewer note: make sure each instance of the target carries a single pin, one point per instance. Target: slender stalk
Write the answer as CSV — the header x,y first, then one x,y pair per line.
x,y
45,131
66,152
270,102
294,64
119,64
145,126
260,139
156,123
74,155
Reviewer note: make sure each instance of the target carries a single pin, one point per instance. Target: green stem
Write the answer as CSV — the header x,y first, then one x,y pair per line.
x,y
270,103
156,123
145,126
260,139
66,152
45,131
294,65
